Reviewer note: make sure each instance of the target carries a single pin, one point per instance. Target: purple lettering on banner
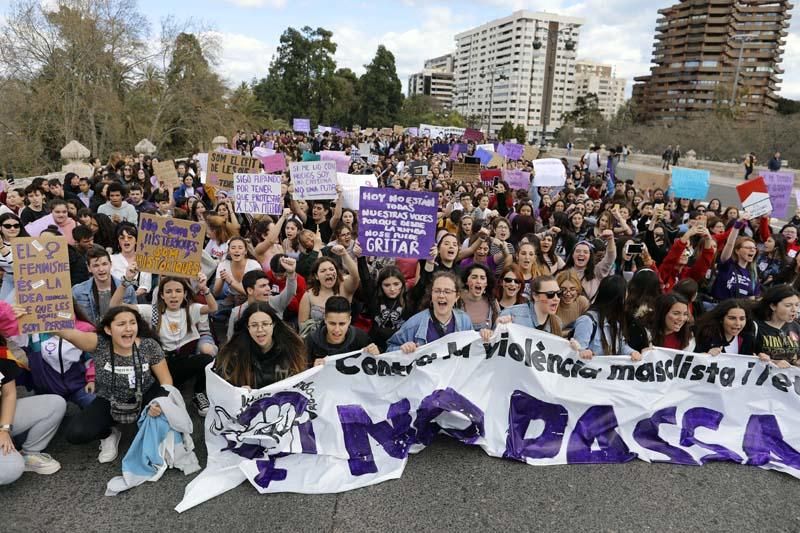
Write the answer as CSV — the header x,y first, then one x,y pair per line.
x,y
701,417
267,472
764,444
394,435
646,434
779,186
523,410
397,223
442,401
598,423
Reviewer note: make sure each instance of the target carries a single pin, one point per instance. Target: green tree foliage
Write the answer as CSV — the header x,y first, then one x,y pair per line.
x,y
586,114
380,90
509,131
346,101
788,107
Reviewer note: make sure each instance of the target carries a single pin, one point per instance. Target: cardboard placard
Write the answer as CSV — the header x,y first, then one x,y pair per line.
x,y
258,194
469,172
42,283
387,132
314,180
274,163
530,152
166,172
511,150
342,159
222,167
651,179
351,186
398,130
549,173
497,161
169,246
517,179
485,156
397,223
472,134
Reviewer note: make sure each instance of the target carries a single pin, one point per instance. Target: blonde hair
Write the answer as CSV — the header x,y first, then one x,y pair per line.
x,y
569,275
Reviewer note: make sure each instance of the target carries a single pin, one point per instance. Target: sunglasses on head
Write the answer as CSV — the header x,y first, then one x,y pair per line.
x,y
551,294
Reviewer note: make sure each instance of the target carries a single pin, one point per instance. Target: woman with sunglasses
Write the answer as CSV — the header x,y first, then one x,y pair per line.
x,y
10,228
509,290
540,312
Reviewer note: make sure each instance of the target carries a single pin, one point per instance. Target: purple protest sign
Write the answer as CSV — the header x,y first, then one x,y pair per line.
x,y
274,163
397,223
779,185
517,179
341,158
441,148
512,151
302,124
454,152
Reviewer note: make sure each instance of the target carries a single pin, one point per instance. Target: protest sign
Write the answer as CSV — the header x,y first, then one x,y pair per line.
x,y
517,179
469,172
549,173
302,125
42,284
228,151
169,246
274,163
644,179
373,159
398,130
342,159
497,160
419,170
261,152
397,223
490,174
429,130
351,187
222,167
489,147
314,180
414,132
529,152
472,134
35,228
258,194
472,160
202,162
166,172
353,421
310,156
511,151
484,156
779,185
754,197
441,148
690,183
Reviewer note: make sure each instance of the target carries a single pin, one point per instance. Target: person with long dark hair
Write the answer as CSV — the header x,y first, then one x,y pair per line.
x,y
390,307
509,290
262,351
643,290
10,228
777,332
773,261
727,328
601,331
130,372
669,323
477,298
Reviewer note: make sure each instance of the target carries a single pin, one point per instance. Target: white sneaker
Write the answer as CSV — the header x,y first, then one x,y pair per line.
x,y
108,447
40,463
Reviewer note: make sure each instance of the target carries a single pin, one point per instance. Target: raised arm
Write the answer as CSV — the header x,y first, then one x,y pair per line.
x,y
727,251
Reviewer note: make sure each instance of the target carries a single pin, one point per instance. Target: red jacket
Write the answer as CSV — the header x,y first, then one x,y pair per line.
x,y
294,305
671,272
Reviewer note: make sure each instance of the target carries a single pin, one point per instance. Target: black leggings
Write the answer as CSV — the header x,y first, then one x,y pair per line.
x,y
182,368
95,421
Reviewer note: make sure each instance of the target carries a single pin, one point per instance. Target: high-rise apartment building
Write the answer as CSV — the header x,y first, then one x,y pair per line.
x,y
435,80
597,79
519,68
709,51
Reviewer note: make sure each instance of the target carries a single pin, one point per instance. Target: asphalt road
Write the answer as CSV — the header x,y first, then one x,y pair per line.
x,y
447,487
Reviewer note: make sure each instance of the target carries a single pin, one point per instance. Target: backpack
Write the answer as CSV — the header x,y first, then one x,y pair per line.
x,y
571,327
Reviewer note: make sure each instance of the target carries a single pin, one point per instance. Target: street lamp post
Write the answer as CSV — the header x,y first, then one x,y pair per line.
x,y
742,38
537,44
500,77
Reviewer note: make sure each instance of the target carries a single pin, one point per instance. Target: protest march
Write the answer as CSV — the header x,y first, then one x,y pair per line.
x,y
326,302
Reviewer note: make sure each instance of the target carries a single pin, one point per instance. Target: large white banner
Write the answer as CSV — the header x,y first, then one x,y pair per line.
x,y
429,130
525,396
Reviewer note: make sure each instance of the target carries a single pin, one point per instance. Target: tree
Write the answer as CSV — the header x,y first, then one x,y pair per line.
x,y
419,109
301,80
345,105
788,107
380,90
586,114
506,131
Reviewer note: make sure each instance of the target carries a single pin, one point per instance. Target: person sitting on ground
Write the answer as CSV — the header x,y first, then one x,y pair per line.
x,y
257,286
336,335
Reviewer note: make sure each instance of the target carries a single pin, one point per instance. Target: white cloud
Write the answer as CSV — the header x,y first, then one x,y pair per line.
x,y
242,57
258,3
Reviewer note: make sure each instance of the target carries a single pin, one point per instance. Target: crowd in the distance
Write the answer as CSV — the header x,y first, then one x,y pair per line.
x,y
611,267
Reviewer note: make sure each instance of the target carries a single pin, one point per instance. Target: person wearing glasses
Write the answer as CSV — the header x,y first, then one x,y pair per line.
x,y
10,228
262,350
736,270
540,312
573,303
509,290
438,319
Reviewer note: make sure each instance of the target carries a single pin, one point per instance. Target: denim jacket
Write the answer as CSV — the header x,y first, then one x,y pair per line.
x,y
84,296
415,329
584,326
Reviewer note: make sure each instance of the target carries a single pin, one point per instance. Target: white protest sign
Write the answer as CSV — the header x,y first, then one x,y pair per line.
x,y
351,186
258,194
314,180
260,151
549,173
353,421
429,130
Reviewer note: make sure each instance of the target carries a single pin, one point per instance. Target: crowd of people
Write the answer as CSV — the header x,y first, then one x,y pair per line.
x,y
612,267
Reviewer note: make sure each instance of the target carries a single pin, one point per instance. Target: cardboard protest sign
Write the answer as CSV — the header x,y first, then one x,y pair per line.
x,y
517,179
690,183
397,223
497,160
274,163
258,194
398,130
351,186
35,228
302,125
779,185
484,155
472,134
755,197
414,132
169,246
261,152
549,173
511,150
42,283
166,172
529,152
469,172
654,179
314,180
222,167
342,159
386,132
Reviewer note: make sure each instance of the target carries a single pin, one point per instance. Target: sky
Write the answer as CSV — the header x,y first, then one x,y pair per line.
x,y
615,32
